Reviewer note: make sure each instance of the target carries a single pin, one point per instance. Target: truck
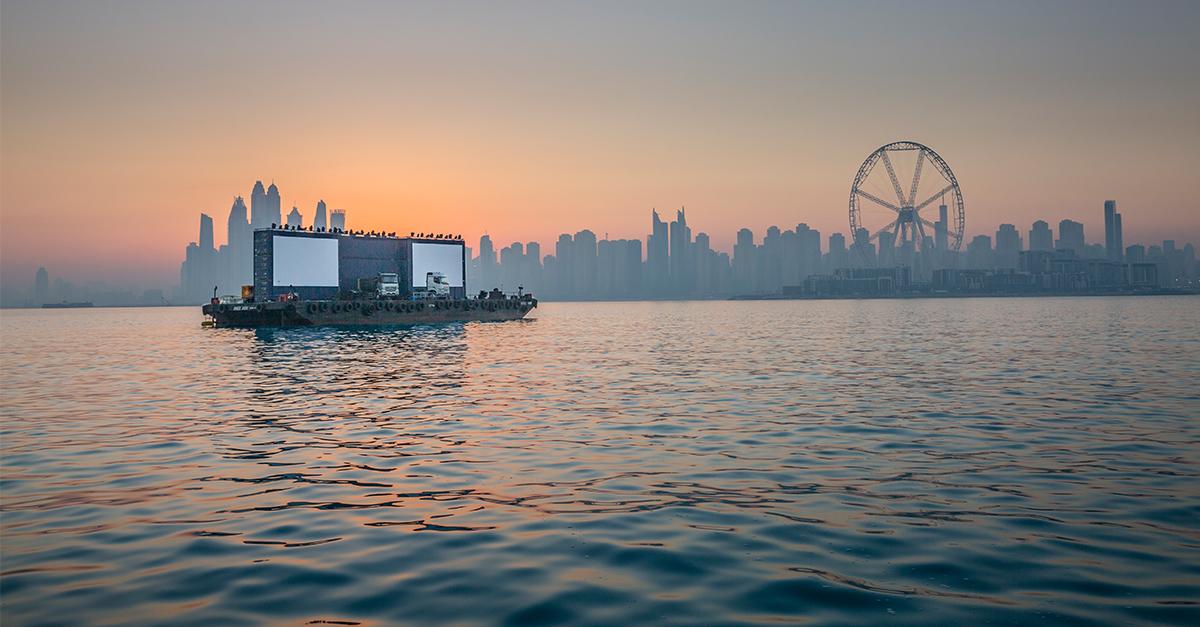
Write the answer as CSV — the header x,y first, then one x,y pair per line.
x,y
436,286
389,285
384,285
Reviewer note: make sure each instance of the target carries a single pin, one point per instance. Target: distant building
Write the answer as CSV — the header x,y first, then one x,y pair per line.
x,y
681,261
41,287
1112,231
1041,237
337,219
1008,247
487,264
258,207
294,219
585,264
319,221
240,241
979,253
658,255
206,232
274,212
1070,237
942,228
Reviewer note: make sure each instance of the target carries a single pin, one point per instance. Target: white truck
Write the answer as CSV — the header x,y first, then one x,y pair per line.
x,y
389,285
436,285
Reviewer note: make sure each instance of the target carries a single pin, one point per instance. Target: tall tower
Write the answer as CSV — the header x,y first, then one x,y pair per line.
x,y
941,233
258,207
337,219
240,238
1112,231
41,287
681,266
319,221
1118,239
657,254
487,263
1070,237
206,233
206,271
1040,236
1008,247
274,213
294,218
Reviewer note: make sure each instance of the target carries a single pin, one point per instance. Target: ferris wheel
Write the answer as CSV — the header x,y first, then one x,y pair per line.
x,y
875,217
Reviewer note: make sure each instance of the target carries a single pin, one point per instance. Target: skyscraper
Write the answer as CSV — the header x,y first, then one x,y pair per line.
x,y
337,219
206,233
240,239
41,287
488,277
1113,240
1008,247
657,255
564,266
681,260
258,207
294,218
744,272
533,265
274,213
1118,238
941,231
837,257
319,219
1041,237
864,254
585,265
979,253
1070,237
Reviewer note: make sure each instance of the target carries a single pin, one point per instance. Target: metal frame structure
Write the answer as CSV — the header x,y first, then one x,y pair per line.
x,y
908,225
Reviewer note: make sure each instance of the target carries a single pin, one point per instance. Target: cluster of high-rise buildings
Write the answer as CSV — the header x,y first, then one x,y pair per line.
x,y
674,264
231,265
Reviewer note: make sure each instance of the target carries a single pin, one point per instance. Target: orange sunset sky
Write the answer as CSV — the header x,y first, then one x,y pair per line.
x,y
120,122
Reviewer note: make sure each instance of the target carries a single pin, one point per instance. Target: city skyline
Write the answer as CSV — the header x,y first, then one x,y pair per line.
x,y
209,259
589,118
675,260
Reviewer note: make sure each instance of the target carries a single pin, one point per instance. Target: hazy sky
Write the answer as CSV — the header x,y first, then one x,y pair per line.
x,y
120,121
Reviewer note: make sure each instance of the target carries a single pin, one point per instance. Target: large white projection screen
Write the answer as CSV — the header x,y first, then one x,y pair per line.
x,y
444,258
306,261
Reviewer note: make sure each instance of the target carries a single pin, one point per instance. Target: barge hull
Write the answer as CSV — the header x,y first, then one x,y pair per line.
x,y
364,312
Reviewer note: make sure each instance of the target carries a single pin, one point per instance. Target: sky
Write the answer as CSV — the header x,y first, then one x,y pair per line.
x,y
120,122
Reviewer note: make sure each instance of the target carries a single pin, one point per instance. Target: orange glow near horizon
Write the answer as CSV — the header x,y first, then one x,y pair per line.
x,y
425,118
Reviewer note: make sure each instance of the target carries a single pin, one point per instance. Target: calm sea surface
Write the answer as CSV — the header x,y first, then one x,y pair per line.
x,y
938,461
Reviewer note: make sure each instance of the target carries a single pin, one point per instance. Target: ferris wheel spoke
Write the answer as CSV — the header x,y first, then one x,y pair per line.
x,y
887,163
887,229
876,199
934,197
921,229
912,194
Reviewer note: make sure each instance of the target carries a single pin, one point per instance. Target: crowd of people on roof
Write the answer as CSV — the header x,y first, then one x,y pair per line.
x,y
412,234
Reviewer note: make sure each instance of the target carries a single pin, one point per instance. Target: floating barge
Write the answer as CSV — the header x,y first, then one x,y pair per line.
x,y
332,277
367,312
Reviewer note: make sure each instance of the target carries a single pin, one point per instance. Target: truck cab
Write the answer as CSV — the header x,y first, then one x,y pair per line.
x,y
389,285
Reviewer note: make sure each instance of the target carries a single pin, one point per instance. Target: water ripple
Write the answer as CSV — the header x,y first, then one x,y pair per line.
x,y
1009,461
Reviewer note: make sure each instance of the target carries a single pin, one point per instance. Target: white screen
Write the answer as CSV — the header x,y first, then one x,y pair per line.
x,y
444,258
306,261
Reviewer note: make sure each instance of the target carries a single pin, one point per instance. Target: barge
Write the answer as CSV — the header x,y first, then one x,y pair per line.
x,y
366,312
334,277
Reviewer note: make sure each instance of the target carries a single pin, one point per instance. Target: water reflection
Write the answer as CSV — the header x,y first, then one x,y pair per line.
x,y
1014,461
